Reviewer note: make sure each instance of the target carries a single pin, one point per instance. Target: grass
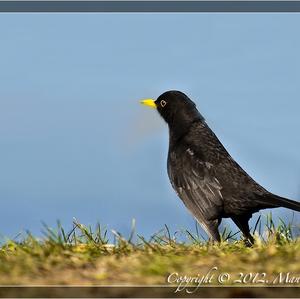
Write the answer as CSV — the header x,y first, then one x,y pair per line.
x,y
88,256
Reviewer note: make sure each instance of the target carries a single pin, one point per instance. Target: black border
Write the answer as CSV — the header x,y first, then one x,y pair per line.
x,y
149,6
146,292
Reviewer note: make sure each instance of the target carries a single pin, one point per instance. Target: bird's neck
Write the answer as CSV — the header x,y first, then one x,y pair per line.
x,y
179,129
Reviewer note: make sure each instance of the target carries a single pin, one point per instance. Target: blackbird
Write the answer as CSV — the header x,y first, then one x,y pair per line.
x,y
204,175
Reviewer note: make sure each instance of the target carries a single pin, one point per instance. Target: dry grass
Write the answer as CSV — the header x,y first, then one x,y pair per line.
x,y
85,256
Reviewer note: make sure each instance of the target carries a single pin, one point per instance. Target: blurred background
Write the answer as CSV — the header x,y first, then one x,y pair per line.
x,y
74,141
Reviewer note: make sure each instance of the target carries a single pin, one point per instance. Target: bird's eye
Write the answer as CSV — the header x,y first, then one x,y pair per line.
x,y
163,103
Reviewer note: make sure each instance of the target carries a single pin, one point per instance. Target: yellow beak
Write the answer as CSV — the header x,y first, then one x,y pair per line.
x,y
149,102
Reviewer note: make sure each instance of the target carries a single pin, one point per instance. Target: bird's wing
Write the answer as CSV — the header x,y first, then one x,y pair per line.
x,y
196,184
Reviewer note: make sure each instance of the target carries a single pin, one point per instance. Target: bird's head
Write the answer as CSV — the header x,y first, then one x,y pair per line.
x,y
176,108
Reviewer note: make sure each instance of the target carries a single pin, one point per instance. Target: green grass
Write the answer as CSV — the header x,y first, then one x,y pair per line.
x,y
87,256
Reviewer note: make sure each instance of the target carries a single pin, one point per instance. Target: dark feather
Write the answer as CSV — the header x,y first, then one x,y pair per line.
x,y
275,201
196,184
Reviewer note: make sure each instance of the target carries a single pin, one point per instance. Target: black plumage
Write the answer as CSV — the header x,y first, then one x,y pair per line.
x,y
206,178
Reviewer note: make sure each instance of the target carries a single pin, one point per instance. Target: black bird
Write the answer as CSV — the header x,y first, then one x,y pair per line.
x,y
204,175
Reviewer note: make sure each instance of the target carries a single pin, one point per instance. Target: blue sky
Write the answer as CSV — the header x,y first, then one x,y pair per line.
x,y
74,142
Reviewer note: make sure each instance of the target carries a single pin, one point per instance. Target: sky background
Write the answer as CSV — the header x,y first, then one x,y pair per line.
x,y
74,141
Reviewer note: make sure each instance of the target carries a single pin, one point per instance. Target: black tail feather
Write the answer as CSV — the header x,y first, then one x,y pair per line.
x,y
275,201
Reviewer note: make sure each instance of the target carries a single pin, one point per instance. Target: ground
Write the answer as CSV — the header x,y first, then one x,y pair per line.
x,y
83,257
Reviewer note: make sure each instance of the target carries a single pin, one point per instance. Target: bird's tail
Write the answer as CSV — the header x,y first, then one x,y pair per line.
x,y
273,201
